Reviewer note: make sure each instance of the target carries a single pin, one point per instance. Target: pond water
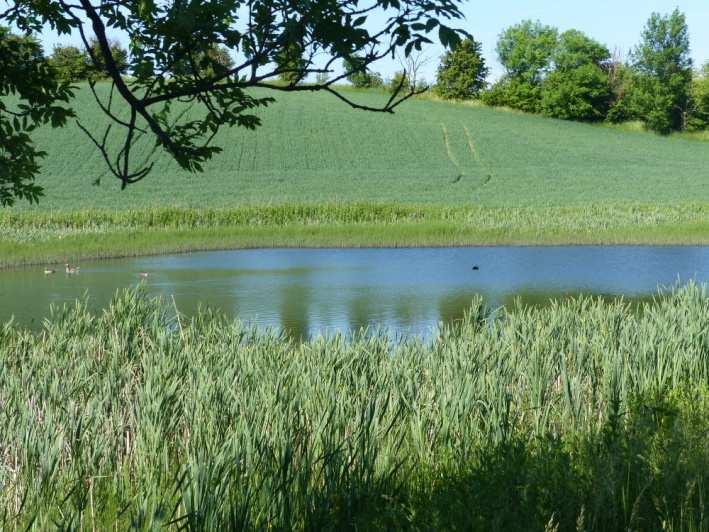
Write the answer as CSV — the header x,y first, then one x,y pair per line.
x,y
312,291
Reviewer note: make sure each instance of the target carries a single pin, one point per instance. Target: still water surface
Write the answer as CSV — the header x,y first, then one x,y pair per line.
x,y
312,291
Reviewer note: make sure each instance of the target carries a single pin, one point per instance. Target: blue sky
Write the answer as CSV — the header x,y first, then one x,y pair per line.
x,y
616,23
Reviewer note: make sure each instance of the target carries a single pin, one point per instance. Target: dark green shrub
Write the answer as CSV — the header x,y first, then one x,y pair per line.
x,y
360,77
514,93
69,63
578,94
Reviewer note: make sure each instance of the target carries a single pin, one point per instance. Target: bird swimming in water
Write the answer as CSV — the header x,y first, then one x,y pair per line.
x,y
143,275
48,271
476,268
71,270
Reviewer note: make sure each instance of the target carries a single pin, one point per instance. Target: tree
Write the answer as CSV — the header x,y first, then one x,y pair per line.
x,y
462,72
37,99
663,70
620,82
411,68
514,93
261,33
699,108
399,81
575,49
291,64
74,65
526,52
212,62
96,64
409,79
578,87
70,64
360,77
581,93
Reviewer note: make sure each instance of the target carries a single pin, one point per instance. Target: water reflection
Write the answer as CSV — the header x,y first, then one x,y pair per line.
x,y
308,292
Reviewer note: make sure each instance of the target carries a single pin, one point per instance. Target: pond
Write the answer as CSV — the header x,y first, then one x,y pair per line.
x,y
311,291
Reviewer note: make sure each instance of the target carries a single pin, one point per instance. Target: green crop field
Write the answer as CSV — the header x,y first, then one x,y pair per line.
x,y
312,148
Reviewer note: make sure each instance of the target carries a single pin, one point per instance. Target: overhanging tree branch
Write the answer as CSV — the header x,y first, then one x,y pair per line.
x,y
172,60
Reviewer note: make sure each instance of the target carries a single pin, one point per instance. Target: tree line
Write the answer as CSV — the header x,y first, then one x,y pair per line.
x,y
572,76
565,75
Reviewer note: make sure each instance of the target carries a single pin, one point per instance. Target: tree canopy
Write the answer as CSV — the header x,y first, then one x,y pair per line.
x,y
462,72
578,88
526,49
261,35
359,76
662,88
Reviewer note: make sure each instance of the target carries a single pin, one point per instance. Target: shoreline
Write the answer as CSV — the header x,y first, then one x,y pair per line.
x,y
116,245
30,238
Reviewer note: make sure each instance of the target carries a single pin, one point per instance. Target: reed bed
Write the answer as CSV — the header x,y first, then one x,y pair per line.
x,y
589,217
583,415
474,224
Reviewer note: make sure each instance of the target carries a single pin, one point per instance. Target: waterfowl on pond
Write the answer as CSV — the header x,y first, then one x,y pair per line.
x,y
476,268
143,275
71,270
48,271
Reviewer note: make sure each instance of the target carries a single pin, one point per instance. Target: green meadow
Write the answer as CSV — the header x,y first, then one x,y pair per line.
x,y
312,148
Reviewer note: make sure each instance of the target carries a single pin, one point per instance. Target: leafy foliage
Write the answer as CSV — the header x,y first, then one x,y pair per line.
x,y
30,95
620,82
359,76
699,114
515,93
462,72
74,65
400,81
291,64
214,61
573,77
526,51
70,64
581,93
578,88
266,35
96,64
663,68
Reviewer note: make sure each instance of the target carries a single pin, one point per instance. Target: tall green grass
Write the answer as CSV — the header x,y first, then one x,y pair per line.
x,y
588,218
60,236
583,415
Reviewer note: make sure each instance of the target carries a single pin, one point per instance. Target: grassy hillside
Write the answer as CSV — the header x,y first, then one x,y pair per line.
x,y
312,148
